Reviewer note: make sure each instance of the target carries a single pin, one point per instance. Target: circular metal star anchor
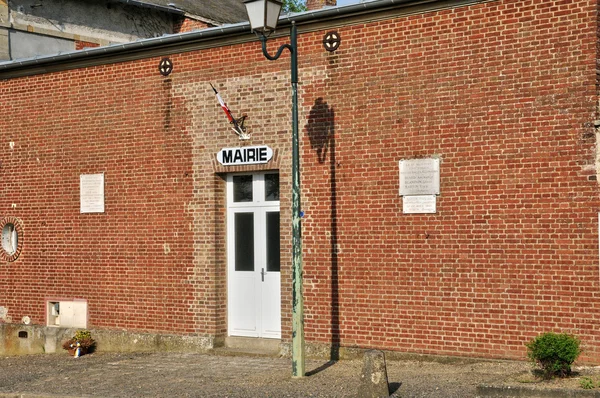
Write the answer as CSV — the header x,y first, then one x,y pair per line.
x,y
165,66
331,41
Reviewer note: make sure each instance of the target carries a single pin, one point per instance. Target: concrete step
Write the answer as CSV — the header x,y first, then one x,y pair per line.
x,y
248,346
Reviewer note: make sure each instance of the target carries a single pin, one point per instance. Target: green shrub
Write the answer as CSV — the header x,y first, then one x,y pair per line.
x,y
554,353
82,334
586,383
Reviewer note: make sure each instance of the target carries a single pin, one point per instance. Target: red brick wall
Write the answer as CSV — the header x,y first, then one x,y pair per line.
x,y
503,93
131,263
80,45
318,4
188,25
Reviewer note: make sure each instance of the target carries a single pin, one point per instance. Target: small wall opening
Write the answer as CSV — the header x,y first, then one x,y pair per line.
x,y
23,334
67,314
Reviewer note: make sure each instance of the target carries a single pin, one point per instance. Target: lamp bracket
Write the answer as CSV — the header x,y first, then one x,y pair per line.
x,y
292,46
263,40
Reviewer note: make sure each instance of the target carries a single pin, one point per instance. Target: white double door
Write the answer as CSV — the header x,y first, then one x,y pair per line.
x,y
253,255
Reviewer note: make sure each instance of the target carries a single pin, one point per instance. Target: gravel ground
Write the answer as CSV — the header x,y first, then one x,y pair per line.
x,y
204,375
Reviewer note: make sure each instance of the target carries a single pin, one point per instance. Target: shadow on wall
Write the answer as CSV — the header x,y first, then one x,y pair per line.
x,y
321,133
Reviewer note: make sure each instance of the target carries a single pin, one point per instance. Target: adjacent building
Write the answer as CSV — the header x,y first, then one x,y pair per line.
x,y
34,28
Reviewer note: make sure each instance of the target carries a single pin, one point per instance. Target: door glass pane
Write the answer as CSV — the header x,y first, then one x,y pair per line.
x,y
271,187
244,241
242,188
273,242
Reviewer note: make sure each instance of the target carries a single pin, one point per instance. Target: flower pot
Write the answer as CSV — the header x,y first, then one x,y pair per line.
x,y
82,351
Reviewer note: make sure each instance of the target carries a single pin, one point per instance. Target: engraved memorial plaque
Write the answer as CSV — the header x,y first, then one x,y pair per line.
x,y
419,204
91,193
420,177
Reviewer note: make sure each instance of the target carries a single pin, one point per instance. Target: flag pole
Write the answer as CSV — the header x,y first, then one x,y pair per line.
x,y
238,127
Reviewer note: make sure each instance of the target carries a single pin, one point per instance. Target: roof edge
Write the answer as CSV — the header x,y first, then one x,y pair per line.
x,y
170,43
170,10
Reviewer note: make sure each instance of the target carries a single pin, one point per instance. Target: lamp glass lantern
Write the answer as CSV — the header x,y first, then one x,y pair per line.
x,y
263,14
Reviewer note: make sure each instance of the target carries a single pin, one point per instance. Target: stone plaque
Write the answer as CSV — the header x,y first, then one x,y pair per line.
x,y
91,193
419,204
420,177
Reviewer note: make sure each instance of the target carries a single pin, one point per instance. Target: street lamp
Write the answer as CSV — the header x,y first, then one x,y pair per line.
x,y
263,16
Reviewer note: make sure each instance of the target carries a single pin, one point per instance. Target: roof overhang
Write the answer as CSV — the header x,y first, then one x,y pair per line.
x,y
326,18
142,4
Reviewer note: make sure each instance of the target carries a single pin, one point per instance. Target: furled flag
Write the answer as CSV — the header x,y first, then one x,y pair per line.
x,y
238,124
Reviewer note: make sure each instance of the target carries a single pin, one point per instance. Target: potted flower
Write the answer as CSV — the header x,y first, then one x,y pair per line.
x,y
80,344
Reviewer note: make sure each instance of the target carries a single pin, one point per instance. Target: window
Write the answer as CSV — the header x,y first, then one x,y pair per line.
x,y
11,230
271,187
242,188
10,238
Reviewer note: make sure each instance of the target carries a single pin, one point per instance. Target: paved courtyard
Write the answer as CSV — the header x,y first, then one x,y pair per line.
x,y
204,375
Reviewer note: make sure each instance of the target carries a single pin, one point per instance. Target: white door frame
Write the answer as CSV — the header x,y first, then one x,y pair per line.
x,y
254,296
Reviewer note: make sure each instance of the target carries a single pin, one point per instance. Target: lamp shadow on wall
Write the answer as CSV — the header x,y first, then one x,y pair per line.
x,y
321,133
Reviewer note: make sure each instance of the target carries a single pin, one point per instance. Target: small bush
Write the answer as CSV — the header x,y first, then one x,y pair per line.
x,y
81,339
82,335
554,353
586,383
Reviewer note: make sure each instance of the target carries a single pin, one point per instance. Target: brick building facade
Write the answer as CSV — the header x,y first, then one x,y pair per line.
x,y
503,94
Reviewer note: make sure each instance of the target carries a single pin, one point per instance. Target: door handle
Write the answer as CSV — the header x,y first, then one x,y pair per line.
x,y
262,274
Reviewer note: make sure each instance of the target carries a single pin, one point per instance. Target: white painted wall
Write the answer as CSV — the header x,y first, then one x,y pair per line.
x,y
28,45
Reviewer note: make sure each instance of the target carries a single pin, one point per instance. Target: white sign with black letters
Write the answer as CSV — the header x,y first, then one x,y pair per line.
x,y
420,177
244,155
419,204
91,193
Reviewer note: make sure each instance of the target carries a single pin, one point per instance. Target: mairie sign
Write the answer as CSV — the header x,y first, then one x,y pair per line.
x,y
244,155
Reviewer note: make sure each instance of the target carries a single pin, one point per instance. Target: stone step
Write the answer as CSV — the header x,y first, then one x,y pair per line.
x,y
247,346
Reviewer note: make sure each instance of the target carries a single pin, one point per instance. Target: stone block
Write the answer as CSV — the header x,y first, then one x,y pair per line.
x,y
373,380
4,21
4,56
